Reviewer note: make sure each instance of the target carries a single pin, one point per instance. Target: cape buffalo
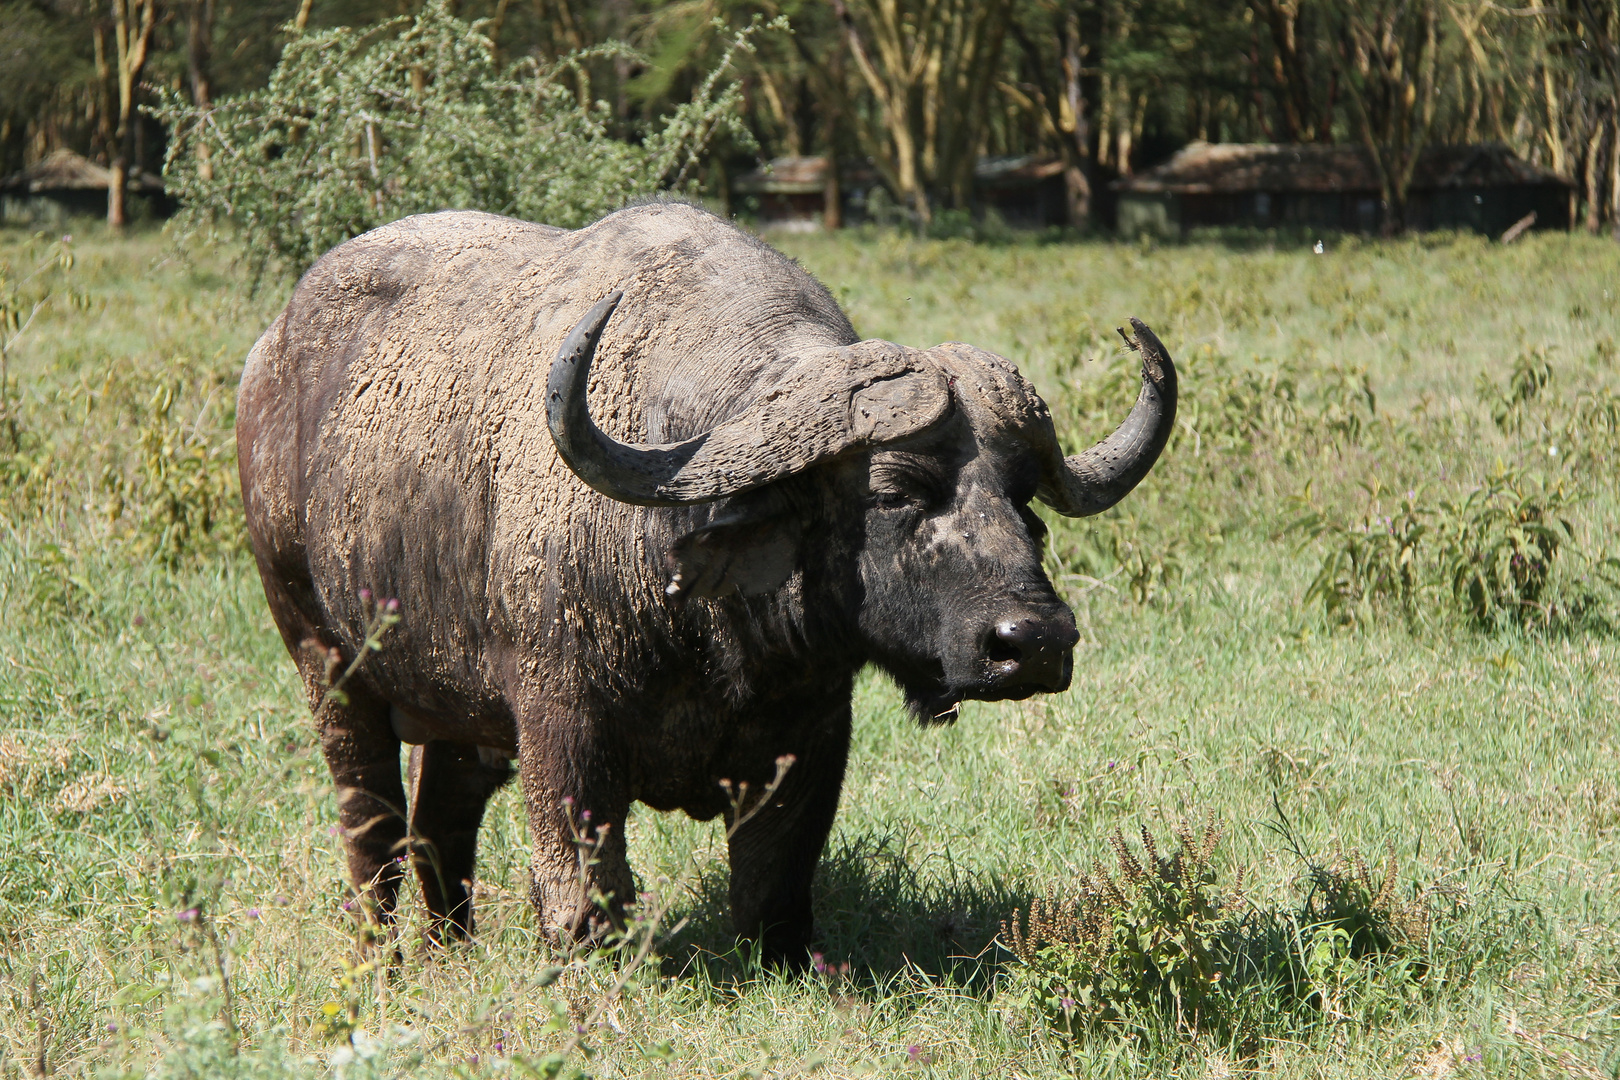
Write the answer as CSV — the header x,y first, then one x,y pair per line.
x,y
646,608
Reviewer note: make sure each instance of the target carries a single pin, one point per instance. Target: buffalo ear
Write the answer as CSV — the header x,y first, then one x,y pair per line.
x,y
746,554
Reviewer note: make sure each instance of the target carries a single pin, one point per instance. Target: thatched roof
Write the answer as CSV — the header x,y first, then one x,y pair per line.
x,y
1234,168
785,176
63,170
1015,171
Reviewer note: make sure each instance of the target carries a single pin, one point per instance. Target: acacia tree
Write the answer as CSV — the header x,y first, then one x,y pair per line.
x,y
1393,50
359,127
133,22
1591,46
1055,45
930,66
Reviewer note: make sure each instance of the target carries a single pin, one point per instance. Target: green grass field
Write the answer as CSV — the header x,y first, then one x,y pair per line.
x,y
1365,604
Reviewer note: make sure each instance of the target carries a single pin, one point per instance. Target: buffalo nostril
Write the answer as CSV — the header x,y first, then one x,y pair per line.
x,y
1015,640
1032,650
1003,645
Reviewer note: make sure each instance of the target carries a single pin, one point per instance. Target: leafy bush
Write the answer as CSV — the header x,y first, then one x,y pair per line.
x,y
1498,545
1161,943
183,496
1489,553
1370,561
1530,375
1149,939
27,287
360,127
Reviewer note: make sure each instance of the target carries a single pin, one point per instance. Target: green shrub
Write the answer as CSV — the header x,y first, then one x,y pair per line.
x,y
1529,377
1490,554
32,276
1498,545
183,496
360,127
1371,561
1160,943
1148,939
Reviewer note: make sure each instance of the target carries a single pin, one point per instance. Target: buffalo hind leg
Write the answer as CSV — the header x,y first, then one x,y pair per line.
x,y
363,754
775,851
450,784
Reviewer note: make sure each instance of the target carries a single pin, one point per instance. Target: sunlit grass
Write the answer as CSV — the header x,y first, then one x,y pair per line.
x,y
155,753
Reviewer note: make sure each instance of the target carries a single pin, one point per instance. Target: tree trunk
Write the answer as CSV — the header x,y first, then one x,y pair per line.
x,y
832,198
133,22
1075,122
1614,174
199,49
1058,100
1393,90
1592,175
106,87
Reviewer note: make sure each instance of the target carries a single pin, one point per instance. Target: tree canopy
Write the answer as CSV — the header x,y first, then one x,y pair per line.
x,y
920,88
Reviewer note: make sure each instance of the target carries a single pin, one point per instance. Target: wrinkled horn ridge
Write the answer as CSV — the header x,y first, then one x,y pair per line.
x,y
835,400
633,474
1091,482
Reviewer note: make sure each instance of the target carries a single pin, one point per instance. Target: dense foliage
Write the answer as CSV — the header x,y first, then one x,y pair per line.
x,y
922,89
357,128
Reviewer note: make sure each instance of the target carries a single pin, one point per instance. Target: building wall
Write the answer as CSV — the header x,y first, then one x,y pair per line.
x,y
1484,210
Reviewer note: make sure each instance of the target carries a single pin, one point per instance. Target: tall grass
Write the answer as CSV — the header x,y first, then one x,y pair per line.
x,y
167,829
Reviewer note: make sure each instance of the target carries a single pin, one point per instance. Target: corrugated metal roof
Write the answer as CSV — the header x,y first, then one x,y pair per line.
x,y
1232,168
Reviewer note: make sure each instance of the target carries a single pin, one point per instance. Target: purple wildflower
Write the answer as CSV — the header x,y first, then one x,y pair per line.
x,y
188,915
253,913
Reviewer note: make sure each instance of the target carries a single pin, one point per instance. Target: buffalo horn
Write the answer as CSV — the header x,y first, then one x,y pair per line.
x,y
841,399
1091,482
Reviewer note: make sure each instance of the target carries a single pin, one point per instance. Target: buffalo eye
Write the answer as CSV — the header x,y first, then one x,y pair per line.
x,y
895,500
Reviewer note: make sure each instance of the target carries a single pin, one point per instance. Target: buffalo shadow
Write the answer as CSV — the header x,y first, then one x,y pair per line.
x,y
877,910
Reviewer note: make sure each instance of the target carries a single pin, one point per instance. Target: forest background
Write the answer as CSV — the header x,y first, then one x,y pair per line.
x,y
920,88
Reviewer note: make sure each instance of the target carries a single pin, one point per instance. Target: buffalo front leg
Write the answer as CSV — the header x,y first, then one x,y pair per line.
x,y
450,784
363,754
775,848
576,807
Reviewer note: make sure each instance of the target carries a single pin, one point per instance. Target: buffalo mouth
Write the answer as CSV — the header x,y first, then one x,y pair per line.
x,y
937,701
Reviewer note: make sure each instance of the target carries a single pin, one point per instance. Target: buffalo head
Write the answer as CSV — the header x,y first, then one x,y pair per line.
x,y
939,453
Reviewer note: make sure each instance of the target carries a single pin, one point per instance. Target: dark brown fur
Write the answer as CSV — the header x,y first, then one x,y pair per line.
x,y
393,439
